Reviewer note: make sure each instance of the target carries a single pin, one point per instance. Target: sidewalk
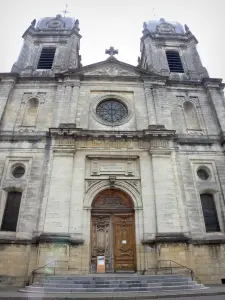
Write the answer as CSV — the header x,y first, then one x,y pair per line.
x,y
12,293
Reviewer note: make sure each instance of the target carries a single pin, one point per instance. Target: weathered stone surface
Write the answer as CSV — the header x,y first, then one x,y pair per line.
x,y
69,155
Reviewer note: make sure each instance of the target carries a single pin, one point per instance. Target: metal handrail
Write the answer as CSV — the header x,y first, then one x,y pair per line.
x,y
172,261
31,278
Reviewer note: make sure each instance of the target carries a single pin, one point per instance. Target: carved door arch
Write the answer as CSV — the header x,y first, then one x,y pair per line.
x,y
113,231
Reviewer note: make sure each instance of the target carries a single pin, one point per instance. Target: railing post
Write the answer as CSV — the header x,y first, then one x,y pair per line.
x,y
171,267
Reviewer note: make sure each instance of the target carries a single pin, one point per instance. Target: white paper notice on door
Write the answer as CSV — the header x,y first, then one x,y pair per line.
x,y
101,260
124,241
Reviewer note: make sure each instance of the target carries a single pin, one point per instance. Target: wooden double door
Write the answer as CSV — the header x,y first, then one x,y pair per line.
x,y
113,233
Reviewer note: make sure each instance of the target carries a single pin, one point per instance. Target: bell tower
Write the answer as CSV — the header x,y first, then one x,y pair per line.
x,y
50,46
168,48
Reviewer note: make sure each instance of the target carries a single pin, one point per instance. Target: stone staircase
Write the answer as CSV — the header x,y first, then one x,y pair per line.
x,y
112,283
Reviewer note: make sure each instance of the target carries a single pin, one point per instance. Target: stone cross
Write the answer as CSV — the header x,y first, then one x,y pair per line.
x,y
111,51
65,11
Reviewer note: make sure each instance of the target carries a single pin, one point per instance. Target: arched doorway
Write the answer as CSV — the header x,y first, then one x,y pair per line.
x,y
113,231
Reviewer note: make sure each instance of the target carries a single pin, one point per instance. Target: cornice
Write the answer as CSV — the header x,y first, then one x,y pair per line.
x,y
9,76
152,131
213,83
12,136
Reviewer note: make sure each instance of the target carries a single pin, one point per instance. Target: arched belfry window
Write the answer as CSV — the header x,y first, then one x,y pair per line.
x,y
190,115
209,213
31,112
11,212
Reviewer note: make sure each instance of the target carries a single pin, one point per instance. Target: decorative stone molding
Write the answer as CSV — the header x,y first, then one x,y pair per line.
x,y
112,71
112,166
173,237
25,129
90,183
110,138
194,140
119,184
40,96
60,238
126,102
17,187
135,183
165,27
195,132
112,180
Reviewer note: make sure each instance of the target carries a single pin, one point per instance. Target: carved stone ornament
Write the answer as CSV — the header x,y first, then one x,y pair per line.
x,y
33,23
90,183
40,96
27,129
165,28
110,202
56,23
111,71
134,183
112,180
194,132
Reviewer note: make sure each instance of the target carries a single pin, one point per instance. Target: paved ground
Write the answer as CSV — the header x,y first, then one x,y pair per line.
x,y
222,297
212,293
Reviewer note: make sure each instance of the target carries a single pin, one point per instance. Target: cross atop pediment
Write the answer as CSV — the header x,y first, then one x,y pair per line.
x,y
111,51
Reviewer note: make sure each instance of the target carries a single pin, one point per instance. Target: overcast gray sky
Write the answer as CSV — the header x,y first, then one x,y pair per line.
x,y
118,23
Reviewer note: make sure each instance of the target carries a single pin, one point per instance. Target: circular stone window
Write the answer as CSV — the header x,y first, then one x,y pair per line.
x,y
203,173
18,171
112,111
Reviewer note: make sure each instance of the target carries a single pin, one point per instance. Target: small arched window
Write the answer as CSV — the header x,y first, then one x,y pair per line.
x,y
11,212
31,112
190,115
209,213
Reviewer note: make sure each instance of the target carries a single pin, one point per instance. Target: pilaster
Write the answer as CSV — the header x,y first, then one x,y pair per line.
x,y
167,211
7,86
150,104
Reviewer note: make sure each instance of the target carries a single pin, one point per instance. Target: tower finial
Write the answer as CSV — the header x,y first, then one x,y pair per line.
x,y
65,11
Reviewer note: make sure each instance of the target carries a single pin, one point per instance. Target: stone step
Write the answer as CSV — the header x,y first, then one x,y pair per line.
x,y
105,290
113,277
111,285
114,282
100,279
122,280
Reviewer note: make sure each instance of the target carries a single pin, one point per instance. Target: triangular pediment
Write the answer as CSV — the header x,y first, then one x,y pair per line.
x,y
111,68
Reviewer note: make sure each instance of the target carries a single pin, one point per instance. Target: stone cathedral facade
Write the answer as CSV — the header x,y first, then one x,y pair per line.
x,y
110,159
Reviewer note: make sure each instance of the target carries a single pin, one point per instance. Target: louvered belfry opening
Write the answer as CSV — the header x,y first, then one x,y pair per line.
x,y
174,61
11,212
46,58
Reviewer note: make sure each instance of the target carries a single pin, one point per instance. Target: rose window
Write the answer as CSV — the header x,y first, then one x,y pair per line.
x,y
112,111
